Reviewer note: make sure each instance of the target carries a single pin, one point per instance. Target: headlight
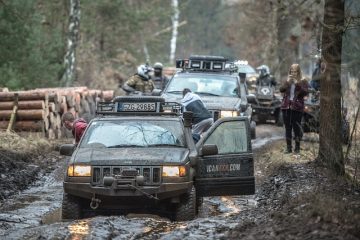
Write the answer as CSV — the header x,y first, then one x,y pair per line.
x,y
79,171
229,114
174,171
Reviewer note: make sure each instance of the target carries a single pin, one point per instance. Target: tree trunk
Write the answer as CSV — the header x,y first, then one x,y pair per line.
x,y
73,35
175,23
34,104
330,148
31,114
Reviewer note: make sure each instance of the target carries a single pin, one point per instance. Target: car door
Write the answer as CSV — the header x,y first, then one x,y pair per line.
x,y
225,165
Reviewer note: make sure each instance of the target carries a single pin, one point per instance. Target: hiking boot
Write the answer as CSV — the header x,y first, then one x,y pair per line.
x,y
288,146
297,147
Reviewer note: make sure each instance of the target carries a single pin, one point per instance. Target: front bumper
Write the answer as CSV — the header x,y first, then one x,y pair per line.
x,y
264,110
163,191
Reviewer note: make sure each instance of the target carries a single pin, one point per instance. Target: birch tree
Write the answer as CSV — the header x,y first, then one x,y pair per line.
x,y
175,23
73,35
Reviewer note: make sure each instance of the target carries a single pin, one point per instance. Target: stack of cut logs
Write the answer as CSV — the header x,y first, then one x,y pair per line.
x,y
40,110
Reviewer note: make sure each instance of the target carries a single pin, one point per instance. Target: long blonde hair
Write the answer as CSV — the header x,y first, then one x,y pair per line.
x,y
295,67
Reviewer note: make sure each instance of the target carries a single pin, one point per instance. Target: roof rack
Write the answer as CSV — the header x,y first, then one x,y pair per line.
x,y
202,63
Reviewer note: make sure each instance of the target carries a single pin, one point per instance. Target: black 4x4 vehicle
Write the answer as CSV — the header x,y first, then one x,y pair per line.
x,y
139,154
222,91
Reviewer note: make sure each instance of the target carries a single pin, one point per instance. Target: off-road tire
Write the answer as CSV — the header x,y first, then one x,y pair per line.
x,y
199,203
253,129
138,99
305,125
279,118
71,207
186,209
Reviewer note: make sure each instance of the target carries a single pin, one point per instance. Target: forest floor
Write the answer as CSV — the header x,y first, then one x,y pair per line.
x,y
295,199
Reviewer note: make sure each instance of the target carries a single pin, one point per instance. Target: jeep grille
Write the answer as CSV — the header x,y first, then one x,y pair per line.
x,y
152,175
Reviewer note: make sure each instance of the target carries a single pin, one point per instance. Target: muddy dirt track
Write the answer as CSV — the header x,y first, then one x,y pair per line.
x,y
278,210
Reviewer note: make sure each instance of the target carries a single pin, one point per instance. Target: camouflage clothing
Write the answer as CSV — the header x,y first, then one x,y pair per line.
x,y
139,84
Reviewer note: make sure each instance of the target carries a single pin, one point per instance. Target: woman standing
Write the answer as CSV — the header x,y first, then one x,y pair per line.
x,y
294,90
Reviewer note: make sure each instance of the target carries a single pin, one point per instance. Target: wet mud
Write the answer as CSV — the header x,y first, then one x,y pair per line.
x,y
35,213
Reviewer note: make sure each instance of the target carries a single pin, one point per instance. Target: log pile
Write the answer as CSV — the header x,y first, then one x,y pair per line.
x,y
40,110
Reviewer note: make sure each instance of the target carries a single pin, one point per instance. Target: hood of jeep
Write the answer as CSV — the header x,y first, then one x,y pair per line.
x,y
131,156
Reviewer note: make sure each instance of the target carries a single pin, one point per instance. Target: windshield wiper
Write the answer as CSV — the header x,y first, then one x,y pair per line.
x,y
206,93
165,145
174,92
124,145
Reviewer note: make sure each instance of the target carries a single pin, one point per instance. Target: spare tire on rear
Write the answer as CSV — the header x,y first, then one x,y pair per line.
x,y
137,99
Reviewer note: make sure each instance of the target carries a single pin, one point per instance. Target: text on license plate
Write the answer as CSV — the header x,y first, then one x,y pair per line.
x,y
139,107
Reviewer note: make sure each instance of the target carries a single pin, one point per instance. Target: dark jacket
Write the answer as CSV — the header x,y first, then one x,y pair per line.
x,y
78,129
194,104
297,104
160,81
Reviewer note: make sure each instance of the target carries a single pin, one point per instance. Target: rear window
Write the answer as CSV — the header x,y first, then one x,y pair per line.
x,y
217,85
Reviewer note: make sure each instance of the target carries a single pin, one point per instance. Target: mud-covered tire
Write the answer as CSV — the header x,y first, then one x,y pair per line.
x,y
279,118
186,209
199,203
138,99
253,130
305,125
71,208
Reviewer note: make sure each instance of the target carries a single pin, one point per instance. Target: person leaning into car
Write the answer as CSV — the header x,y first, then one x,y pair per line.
x,y
202,118
294,90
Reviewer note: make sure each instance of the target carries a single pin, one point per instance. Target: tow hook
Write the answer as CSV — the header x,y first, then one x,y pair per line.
x,y
94,204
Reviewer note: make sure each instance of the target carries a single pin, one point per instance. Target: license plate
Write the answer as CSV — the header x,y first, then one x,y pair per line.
x,y
138,107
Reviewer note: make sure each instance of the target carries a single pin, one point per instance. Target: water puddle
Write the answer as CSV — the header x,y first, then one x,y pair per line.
x,y
51,217
79,230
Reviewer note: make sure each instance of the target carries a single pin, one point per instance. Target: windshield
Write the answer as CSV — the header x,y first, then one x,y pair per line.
x,y
245,69
214,85
134,133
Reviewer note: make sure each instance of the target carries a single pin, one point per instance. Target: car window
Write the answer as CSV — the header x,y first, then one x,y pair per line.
x,y
139,133
230,137
220,85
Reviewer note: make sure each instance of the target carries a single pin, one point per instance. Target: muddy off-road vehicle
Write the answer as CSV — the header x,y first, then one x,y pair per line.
x,y
219,88
266,105
138,154
311,118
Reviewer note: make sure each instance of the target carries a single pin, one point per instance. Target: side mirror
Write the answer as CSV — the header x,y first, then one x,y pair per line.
x,y
242,77
67,149
156,92
209,149
243,107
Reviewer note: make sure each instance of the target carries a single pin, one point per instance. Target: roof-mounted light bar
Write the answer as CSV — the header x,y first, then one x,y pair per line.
x,y
202,63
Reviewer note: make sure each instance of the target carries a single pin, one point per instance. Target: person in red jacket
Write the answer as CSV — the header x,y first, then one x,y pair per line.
x,y
294,90
76,126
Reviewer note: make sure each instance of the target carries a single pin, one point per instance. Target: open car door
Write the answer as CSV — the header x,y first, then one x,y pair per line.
x,y
225,165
